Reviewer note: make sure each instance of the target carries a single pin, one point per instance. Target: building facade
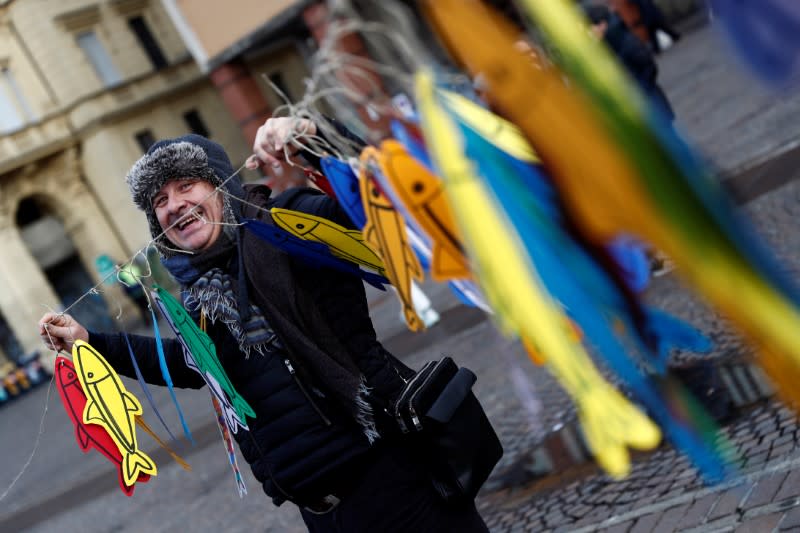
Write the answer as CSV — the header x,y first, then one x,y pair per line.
x,y
85,87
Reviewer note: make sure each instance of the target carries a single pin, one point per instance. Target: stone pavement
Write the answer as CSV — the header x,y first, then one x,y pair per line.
x,y
743,129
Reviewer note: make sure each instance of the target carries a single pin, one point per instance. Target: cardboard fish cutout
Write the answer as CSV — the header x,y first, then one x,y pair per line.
x,y
414,145
345,184
766,33
89,435
344,243
110,406
522,306
200,355
596,303
680,207
314,254
422,194
503,134
386,232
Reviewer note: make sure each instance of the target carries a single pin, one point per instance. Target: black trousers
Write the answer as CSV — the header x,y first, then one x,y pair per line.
x,y
395,495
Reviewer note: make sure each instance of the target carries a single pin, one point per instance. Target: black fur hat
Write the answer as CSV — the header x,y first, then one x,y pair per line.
x,y
187,157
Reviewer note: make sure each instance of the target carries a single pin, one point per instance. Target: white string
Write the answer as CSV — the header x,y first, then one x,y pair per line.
x,y
36,444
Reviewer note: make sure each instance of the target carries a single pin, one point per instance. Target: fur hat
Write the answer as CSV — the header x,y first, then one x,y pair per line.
x,y
187,157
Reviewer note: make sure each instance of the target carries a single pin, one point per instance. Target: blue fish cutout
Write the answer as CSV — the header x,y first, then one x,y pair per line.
x,y
345,184
592,300
631,258
162,363
766,33
414,146
315,254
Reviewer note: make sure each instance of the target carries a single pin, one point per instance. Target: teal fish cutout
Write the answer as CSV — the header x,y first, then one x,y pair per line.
x,y
201,355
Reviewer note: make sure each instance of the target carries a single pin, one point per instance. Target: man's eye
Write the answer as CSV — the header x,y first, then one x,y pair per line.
x,y
158,202
187,185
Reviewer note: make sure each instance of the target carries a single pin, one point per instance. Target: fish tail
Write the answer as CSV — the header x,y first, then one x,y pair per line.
x,y
673,333
413,321
137,463
242,408
447,265
691,429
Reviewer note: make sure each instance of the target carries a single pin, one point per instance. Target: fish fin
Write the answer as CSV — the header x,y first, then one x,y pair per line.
x,y
243,408
91,414
83,437
413,321
131,403
373,279
446,265
356,234
673,333
136,463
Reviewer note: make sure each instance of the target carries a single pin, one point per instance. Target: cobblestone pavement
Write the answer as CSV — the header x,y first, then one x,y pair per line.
x,y
734,121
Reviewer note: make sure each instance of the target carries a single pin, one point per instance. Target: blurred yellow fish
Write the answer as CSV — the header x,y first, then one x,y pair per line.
x,y
421,193
494,128
345,243
522,306
112,407
385,230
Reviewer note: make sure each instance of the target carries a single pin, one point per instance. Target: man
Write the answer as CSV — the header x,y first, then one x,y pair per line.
x,y
632,53
654,20
296,342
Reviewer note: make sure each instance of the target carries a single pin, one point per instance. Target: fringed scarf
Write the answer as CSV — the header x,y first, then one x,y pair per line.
x,y
276,304
213,295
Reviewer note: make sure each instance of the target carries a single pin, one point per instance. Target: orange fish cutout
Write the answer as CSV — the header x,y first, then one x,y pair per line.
x,y
385,231
422,193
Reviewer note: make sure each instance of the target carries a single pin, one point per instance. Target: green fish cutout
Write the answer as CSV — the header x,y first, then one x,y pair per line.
x,y
201,355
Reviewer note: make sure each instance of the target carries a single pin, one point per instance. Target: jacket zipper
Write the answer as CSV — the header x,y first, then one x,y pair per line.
x,y
305,392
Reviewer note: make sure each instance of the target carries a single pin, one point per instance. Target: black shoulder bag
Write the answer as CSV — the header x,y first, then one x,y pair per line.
x,y
455,436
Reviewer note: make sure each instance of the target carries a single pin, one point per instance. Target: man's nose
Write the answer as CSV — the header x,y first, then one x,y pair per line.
x,y
175,204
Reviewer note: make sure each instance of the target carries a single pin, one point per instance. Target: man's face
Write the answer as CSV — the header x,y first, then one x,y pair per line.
x,y
195,231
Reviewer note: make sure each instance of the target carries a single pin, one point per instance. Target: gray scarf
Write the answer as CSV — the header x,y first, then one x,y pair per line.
x,y
213,295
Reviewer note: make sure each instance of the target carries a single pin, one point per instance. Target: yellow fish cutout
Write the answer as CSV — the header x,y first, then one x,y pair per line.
x,y
554,117
422,194
343,243
522,305
601,189
495,129
112,407
386,231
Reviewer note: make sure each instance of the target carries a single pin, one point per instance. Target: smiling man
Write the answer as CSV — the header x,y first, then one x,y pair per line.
x,y
295,340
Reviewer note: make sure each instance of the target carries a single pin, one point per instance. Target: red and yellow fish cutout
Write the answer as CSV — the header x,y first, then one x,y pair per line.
x,y
385,230
112,407
88,435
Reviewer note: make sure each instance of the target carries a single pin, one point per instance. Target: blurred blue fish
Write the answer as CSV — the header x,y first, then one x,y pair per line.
x,y
766,33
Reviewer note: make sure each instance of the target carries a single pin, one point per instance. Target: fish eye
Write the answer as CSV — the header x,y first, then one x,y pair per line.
x,y
418,186
300,226
70,375
90,374
375,192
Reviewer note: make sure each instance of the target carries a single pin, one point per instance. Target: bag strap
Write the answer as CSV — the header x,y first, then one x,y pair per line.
x,y
452,396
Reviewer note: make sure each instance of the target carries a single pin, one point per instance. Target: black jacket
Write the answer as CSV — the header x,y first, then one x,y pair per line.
x,y
638,61
301,444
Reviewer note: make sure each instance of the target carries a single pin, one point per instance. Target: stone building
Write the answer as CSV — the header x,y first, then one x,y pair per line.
x,y
85,87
